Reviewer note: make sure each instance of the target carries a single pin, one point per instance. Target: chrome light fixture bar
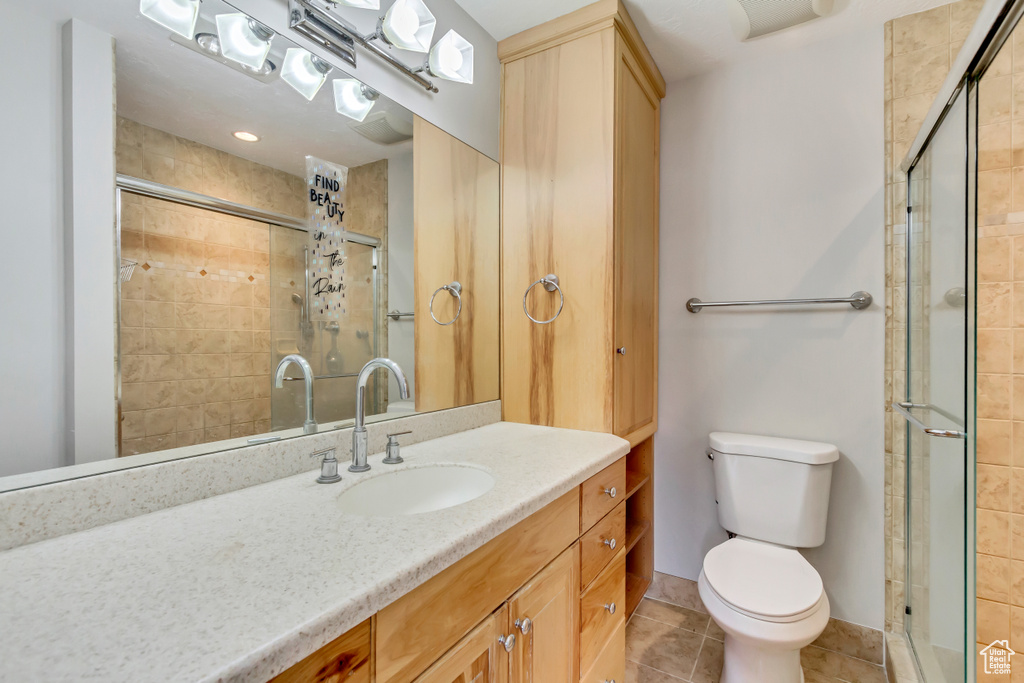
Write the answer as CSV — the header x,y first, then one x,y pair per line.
x,y
312,19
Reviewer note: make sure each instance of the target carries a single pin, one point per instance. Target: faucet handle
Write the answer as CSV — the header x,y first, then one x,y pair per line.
x,y
392,457
328,468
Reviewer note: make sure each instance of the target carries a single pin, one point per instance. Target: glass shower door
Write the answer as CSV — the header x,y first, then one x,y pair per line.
x,y
938,529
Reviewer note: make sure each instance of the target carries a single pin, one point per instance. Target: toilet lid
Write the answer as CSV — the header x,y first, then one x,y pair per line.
x,y
762,579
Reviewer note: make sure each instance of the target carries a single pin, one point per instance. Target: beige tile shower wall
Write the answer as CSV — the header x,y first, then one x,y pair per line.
x,y
1000,349
195,339
919,50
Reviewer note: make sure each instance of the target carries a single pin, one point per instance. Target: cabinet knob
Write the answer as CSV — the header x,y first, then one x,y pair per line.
x,y
611,492
610,542
508,641
524,625
610,607
621,350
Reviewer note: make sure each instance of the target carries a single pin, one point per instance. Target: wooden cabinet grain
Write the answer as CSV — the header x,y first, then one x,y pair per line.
x,y
544,617
581,101
480,657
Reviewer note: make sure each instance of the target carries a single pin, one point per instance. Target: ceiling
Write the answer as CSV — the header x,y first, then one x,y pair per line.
x,y
688,37
175,89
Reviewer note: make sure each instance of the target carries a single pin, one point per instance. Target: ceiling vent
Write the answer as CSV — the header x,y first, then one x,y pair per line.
x,y
754,18
384,128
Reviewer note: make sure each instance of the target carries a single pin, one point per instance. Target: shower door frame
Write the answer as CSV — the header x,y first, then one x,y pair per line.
x,y
176,195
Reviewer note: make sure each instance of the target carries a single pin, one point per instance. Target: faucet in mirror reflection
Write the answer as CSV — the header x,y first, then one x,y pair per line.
x,y
309,426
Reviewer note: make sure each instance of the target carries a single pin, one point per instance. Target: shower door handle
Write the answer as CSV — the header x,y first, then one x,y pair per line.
x,y
904,410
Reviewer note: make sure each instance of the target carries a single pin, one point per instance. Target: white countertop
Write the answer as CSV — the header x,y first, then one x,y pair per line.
x,y
243,585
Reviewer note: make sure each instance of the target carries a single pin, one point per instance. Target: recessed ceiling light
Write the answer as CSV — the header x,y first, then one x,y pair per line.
x,y
246,136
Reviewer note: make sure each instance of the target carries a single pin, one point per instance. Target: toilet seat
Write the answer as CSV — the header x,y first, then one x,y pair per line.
x,y
763,581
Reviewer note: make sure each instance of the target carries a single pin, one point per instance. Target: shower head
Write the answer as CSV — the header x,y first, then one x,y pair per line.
x,y
296,298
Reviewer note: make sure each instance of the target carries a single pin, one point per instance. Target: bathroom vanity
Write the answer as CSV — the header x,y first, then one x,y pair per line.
x,y
526,579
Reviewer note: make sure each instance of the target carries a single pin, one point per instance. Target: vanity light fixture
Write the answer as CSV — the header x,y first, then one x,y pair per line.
x,y
246,136
209,44
304,71
243,39
353,99
360,4
178,16
451,59
408,24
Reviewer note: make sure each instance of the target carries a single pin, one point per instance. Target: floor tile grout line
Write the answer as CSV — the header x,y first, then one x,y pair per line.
x,y
670,675
696,659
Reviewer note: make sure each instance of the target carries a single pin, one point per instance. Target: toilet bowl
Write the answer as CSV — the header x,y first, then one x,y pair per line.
x,y
772,496
770,602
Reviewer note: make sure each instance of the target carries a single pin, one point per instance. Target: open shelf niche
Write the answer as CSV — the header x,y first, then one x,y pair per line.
x,y
639,522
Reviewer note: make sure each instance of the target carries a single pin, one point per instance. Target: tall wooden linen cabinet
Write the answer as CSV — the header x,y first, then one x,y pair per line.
x,y
581,99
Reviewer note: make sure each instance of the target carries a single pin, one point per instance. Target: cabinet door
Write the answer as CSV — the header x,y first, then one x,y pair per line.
x,y
557,215
636,246
456,239
545,619
480,657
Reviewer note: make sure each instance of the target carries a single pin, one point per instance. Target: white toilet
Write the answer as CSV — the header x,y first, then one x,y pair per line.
x,y
772,497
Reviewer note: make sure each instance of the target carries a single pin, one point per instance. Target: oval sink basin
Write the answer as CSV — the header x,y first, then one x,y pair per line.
x,y
415,490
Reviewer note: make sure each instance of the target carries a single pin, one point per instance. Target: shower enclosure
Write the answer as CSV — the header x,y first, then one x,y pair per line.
x,y
955,320
938,401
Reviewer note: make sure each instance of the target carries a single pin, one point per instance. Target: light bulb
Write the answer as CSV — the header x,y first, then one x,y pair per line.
x,y
408,24
352,98
304,71
178,16
243,40
452,58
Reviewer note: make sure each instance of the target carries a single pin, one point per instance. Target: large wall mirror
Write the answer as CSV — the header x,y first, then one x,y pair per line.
x,y
205,208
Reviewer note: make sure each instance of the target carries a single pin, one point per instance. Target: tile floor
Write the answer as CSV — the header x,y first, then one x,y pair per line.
x,y
666,643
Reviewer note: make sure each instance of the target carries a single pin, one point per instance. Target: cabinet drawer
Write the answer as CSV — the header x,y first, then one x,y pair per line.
x,y
602,610
598,545
610,665
600,493
346,658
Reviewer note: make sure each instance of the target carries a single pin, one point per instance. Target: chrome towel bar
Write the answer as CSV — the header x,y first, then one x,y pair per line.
x,y
858,300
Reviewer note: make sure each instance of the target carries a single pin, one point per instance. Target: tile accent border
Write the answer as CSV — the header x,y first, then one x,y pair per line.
x,y
43,512
840,641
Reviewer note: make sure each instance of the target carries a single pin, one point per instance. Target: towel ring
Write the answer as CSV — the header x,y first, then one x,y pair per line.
x,y
550,283
455,289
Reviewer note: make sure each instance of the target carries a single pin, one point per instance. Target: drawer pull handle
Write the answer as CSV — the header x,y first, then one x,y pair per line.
x,y
610,607
610,543
609,680
508,641
524,625
611,492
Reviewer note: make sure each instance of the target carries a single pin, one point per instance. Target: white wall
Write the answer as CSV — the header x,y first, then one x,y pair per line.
x,y
772,186
31,220
401,294
469,112
89,243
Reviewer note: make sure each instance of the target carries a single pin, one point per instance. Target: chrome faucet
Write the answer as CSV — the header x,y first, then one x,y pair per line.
x,y
309,426
359,432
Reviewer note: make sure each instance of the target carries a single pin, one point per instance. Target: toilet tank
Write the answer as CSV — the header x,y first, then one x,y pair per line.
x,y
773,489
